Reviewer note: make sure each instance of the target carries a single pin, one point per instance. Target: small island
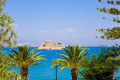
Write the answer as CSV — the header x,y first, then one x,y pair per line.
x,y
48,45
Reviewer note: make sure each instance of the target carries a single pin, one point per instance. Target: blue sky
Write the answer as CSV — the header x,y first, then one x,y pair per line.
x,y
65,21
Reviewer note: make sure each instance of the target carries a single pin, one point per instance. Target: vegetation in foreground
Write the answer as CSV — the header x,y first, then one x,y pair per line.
x,y
7,71
8,37
101,66
74,57
110,33
24,59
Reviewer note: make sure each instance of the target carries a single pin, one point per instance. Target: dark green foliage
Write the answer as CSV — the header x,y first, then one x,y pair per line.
x,y
108,2
110,33
118,2
114,51
59,43
100,67
117,20
112,2
113,11
99,0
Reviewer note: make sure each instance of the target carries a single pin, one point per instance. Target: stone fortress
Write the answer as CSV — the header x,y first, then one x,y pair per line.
x,y
48,45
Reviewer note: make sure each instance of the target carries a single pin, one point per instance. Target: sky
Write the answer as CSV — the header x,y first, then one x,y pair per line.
x,y
72,22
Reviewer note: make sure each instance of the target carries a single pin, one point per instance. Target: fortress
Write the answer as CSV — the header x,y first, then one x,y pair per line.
x,y
48,45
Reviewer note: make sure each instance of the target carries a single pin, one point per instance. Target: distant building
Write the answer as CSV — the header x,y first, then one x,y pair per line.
x,y
48,45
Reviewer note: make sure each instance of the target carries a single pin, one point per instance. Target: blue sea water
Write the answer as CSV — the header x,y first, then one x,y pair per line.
x,y
45,72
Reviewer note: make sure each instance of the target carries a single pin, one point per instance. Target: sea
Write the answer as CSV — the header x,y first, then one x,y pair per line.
x,y
45,72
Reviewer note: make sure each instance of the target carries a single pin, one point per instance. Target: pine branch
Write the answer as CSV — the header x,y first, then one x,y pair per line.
x,y
113,11
116,20
110,34
110,2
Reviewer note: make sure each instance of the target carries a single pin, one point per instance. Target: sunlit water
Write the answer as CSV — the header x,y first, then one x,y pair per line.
x,y
45,72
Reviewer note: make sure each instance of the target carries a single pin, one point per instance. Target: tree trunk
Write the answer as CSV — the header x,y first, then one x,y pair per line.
x,y
24,73
74,73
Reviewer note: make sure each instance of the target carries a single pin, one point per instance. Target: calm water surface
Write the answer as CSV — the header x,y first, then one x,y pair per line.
x,y
45,72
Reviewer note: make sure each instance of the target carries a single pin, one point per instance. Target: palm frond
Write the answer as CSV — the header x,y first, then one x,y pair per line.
x,y
75,48
63,66
31,53
57,63
75,55
40,58
25,54
10,55
83,53
82,56
15,51
20,48
64,56
36,64
33,60
68,53
71,49
36,54
79,50
60,60
24,58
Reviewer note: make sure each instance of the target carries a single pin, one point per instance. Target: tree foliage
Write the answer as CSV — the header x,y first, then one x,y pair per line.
x,y
6,69
24,58
110,33
7,34
101,67
74,55
8,37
